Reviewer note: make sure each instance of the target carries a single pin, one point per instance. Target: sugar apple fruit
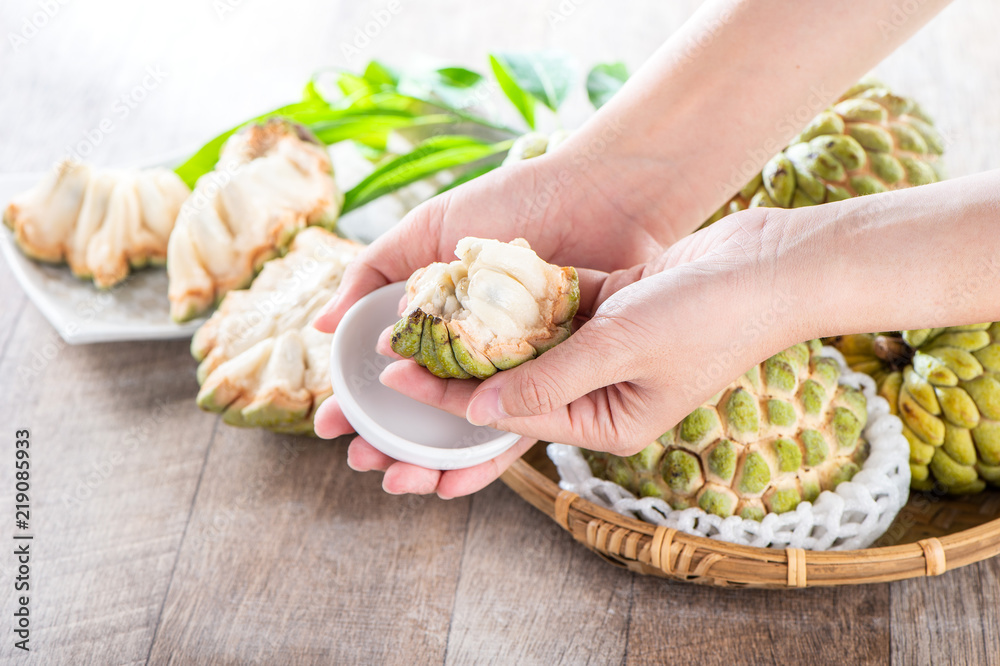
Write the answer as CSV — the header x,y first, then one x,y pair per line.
x,y
102,222
944,383
869,141
272,180
262,364
495,307
778,435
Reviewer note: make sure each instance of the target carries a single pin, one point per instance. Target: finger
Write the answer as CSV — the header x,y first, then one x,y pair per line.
x,y
413,381
360,279
330,421
459,482
600,354
363,457
591,282
406,478
602,419
413,243
384,344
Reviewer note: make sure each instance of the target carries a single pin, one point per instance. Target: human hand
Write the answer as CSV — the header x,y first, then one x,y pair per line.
x,y
549,201
648,353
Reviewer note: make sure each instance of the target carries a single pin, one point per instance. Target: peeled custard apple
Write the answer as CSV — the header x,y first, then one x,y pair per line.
x,y
777,436
944,383
262,364
869,141
272,180
496,307
102,222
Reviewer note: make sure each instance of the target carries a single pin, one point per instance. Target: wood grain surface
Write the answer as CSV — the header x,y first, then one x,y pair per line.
x,y
165,536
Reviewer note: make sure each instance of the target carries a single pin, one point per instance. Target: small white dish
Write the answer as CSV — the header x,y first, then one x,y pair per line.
x,y
396,425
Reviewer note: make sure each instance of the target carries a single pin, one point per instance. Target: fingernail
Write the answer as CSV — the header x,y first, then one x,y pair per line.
x,y
391,492
485,408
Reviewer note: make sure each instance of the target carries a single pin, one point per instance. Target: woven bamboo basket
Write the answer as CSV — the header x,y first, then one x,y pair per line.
x,y
931,535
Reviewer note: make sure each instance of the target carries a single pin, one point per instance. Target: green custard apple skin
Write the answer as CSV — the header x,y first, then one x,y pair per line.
x,y
779,435
869,141
496,307
262,364
944,383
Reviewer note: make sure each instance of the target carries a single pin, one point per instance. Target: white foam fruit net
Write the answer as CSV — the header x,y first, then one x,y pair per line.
x,y
853,516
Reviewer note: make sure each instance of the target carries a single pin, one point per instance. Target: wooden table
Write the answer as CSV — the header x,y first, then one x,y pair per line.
x,y
163,535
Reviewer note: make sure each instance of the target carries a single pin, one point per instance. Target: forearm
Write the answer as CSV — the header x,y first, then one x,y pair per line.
x,y
725,93
917,258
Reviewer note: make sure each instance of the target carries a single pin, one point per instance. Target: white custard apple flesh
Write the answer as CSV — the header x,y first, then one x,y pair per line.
x,y
779,435
272,180
495,307
102,222
262,364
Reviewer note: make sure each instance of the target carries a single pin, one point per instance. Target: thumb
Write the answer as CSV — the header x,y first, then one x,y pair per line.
x,y
590,359
360,278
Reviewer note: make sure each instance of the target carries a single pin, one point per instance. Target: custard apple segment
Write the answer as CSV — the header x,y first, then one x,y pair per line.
x,y
261,361
101,222
495,307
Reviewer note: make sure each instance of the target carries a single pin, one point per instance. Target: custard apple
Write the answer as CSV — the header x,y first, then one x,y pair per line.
x,y
780,434
262,364
495,307
944,383
869,141
272,180
102,222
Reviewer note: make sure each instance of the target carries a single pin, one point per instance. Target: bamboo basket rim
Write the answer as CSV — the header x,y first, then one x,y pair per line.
x,y
665,552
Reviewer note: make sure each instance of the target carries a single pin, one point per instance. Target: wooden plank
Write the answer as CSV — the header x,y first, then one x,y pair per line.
x,y
949,619
529,594
116,449
291,557
841,625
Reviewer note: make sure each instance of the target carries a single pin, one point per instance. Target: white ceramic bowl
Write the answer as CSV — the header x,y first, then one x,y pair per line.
x,y
394,424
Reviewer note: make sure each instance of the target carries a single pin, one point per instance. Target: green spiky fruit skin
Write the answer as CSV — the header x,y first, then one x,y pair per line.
x,y
948,397
870,141
433,343
779,435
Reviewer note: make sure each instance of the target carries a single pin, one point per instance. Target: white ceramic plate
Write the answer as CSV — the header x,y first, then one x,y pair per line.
x,y
138,308
394,424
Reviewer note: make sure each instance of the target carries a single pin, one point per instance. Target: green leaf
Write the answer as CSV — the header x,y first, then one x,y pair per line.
x,y
450,87
459,77
471,174
204,160
604,81
310,94
521,100
429,157
372,127
545,75
382,75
